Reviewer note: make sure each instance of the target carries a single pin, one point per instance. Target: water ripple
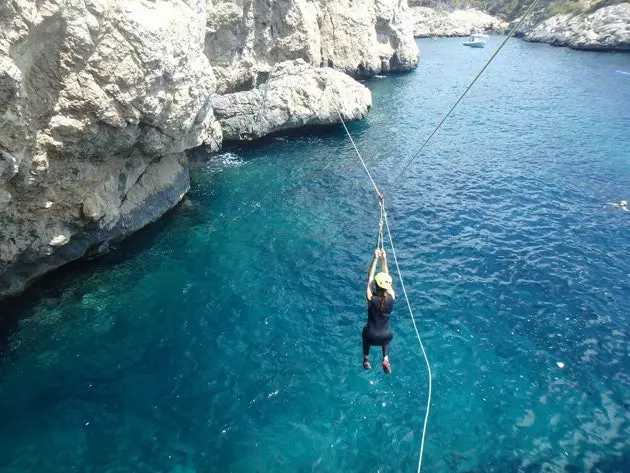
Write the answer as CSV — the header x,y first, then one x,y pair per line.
x,y
227,336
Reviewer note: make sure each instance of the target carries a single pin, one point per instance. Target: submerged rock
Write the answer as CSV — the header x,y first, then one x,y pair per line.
x,y
606,29
59,240
294,95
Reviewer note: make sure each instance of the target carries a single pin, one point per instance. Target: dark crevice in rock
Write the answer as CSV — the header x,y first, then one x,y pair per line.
x,y
155,127
148,166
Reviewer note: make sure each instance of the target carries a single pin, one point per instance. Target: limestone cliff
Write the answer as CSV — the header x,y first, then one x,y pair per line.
x,y
361,38
99,99
604,29
96,109
436,22
599,25
295,94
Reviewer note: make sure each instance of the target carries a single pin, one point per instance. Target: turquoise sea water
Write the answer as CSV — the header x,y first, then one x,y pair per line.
x,y
226,337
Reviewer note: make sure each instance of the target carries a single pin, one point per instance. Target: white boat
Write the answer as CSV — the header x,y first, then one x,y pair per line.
x,y
482,36
476,40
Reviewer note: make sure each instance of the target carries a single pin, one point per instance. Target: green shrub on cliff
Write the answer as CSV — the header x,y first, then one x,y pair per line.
x,y
572,7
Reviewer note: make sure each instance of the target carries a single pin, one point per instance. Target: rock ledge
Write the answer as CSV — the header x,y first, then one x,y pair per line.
x,y
294,94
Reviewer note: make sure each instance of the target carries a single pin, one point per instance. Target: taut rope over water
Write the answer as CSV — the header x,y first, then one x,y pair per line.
x,y
380,242
383,218
424,353
383,215
512,31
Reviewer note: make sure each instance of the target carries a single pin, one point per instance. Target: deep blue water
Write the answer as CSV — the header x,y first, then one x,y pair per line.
x,y
226,337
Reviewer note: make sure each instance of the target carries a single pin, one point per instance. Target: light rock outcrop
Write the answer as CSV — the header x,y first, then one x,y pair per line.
x,y
432,22
99,99
606,29
295,94
361,38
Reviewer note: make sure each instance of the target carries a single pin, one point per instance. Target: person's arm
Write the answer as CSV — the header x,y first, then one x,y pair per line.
x,y
384,262
371,272
386,270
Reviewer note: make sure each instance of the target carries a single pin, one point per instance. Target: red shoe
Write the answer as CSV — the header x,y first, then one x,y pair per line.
x,y
366,364
386,367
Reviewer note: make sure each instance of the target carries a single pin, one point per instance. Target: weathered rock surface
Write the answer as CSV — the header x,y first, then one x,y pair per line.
x,y
295,94
361,38
606,29
433,22
98,101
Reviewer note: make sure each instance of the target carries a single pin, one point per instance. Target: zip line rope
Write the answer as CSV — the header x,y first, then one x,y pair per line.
x,y
380,242
358,154
512,31
424,353
383,218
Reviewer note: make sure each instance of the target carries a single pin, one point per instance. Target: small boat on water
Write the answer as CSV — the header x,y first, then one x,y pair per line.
x,y
477,40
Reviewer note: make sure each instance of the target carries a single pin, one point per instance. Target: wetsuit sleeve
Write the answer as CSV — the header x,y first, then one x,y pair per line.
x,y
371,272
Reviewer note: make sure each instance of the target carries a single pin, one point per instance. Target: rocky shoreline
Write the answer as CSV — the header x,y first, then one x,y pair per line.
x,y
293,95
432,22
599,29
100,100
606,29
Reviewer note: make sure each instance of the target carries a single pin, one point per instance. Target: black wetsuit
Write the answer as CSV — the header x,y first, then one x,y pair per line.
x,y
377,331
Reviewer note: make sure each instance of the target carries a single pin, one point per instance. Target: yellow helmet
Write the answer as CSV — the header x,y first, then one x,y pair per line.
x,y
383,280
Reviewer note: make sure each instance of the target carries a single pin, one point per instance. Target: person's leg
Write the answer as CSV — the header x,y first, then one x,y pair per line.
x,y
386,366
366,347
366,352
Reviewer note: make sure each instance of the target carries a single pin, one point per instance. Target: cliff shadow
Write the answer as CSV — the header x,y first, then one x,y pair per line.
x,y
57,283
333,130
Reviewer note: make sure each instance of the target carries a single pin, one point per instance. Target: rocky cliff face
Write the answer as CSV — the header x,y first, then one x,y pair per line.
x,y
361,38
599,25
99,99
606,29
295,94
434,22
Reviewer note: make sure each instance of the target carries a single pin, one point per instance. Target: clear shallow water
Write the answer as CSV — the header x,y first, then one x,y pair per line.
x,y
226,337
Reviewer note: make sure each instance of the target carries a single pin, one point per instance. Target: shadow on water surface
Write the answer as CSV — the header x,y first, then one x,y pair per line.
x,y
52,285
55,284
334,131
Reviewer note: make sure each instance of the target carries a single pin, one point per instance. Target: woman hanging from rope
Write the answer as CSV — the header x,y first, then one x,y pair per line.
x,y
380,304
